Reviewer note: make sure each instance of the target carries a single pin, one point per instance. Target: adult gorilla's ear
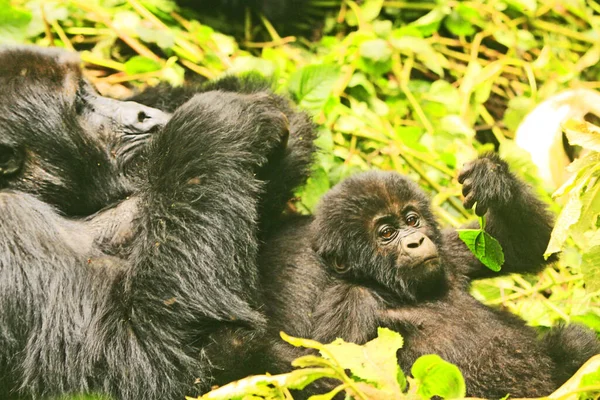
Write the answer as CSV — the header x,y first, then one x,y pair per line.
x,y
339,266
11,160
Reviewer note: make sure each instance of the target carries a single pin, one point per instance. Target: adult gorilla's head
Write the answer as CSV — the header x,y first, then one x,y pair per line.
x,y
59,139
378,227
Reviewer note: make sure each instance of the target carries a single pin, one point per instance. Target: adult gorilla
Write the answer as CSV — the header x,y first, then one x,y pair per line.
x,y
128,236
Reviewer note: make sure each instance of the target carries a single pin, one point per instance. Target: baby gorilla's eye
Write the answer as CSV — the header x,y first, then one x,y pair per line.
x,y
387,232
412,219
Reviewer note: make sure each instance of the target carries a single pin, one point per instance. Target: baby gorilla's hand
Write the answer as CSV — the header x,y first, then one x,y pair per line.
x,y
487,182
273,126
249,127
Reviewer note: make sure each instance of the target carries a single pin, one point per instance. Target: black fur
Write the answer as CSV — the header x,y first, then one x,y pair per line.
x,y
287,16
128,237
335,275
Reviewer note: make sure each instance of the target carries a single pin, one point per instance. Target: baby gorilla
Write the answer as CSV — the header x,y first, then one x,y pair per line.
x,y
373,255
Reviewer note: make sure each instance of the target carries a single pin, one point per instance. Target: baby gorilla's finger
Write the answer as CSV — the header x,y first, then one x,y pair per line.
x,y
481,208
469,201
465,172
467,187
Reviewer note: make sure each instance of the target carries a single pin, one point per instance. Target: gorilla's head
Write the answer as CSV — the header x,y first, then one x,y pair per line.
x,y
378,227
59,139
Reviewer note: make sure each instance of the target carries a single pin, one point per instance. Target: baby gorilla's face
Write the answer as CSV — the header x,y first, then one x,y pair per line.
x,y
378,226
59,139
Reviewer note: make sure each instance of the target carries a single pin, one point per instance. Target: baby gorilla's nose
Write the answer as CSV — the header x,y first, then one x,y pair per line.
x,y
418,247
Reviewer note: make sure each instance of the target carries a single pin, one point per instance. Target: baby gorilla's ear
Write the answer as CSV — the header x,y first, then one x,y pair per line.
x,y
11,161
327,246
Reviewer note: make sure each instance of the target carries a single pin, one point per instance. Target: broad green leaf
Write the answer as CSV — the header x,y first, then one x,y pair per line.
x,y
520,40
268,386
140,64
484,247
311,361
588,381
443,92
164,40
569,388
369,10
430,22
312,85
376,50
581,169
583,134
300,342
590,267
437,377
165,6
316,186
13,22
374,362
244,64
459,26
568,216
590,319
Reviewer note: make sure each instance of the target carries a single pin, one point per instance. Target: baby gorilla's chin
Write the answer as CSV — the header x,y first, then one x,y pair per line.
x,y
421,280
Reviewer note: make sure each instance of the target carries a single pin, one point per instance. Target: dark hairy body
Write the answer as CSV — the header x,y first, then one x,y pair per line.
x,y
373,255
129,235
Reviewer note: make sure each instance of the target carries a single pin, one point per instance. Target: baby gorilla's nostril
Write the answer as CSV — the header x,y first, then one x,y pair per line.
x,y
142,116
415,244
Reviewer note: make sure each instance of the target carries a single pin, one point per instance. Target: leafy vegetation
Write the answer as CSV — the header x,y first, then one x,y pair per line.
x,y
374,374
419,87
483,245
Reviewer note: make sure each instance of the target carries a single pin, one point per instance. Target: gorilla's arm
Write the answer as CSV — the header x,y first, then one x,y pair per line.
x,y
514,216
54,288
284,172
135,327
193,260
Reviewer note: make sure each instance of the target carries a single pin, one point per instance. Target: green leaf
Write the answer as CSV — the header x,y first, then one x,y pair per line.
x,y
299,342
376,50
583,134
140,64
312,85
484,247
443,92
437,377
369,10
316,186
590,267
13,22
590,380
430,22
374,362
591,319
245,64
459,26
